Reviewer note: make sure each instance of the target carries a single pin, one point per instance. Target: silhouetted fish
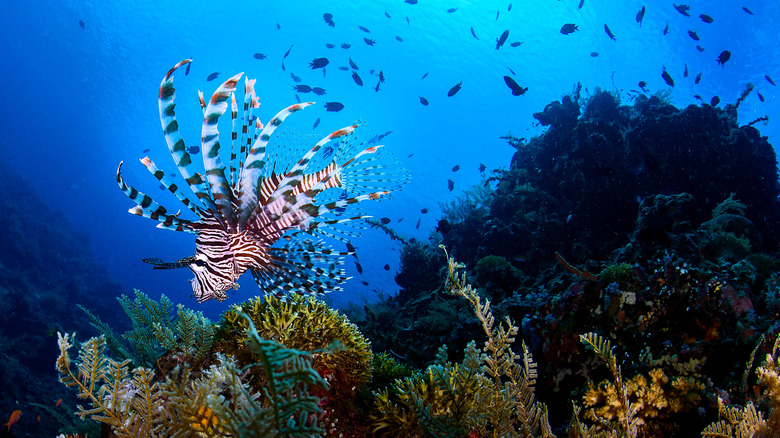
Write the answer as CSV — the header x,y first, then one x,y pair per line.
x,y
568,28
387,267
356,78
193,149
454,90
482,167
387,15
642,85
474,34
666,29
319,91
346,45
747,10
723,57
411,2
516,44
582,3
517,90
399,39
145,151
700,48
329,19
418,223
760,96
451,10
278,26
316,123
502,39
334,106
423,101
212,76
768,79
295,77
353,65
497,14
283,67
685,72
343,68
715,101
609,33
450,184
371,42
511,71
424,211
330,45
706,18
259,55
594,54
385,220
358,267
698,79
302,88
364,29
189,64
640,16
82,24
667,78
509,8
287,53
318,63
694,35
683,9
425,75
365,283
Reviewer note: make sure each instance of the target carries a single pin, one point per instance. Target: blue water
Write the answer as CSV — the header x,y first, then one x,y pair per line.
x,y
77,101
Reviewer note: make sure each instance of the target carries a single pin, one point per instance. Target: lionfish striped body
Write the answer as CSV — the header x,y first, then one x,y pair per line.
x,y
266,213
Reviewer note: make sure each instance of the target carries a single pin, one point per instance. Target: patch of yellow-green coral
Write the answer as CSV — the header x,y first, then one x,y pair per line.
x,y
305,324
621,273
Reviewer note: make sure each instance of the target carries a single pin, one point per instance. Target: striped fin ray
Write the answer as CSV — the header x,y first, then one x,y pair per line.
x,y
250,102
151,209
173,188
215,170
255,163
176,146
233,137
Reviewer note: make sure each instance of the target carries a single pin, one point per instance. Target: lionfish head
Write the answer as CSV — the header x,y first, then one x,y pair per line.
x,y
215,272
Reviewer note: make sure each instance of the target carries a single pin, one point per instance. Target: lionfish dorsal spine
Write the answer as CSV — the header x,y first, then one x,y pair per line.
x,y
172,187
176,146
252,170
215,171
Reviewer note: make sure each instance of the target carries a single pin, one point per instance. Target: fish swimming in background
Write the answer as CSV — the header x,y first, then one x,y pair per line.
x,y
768,79
316,123
364,29
399,39
450,184
212,76
502,39
266,210
356,78
454,90
609,33
683,9
334,106
723,57
328,17
371,42
706,18
423,101
698,79
319,91
353,64
82,24
667,78
319,63
257,55
640,15
15,415
474,34
569,28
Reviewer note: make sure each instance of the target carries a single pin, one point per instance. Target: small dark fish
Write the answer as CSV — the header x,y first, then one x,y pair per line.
x,y
318,63
323,72
287,53
715,101
454,90
666,29
706,18
582,3
359,267
699,48
698,79
378,83
212,76
343,68
407,21
642,85
444,226
768,79
450,184
683,9
456,168
189,64
328,17
723,57
283,67
502,39
451,10
387,267
381,76
278,26
295,77
497,13
640,16
517,90
424,211
400,220
747,10
568,28
399,39
353,65
370,42
328,151
423,101
667,78
474,34
302,88
365,283
377,138
509,8
350,247
698,97
418,224
319,91
760,96
193,149
685,72
161,187
82,24
330,45
594,54
425,75
694,35
516,44
482,167
356,78
259,55
385,220
387,14
609,33
511,71
411,2
334,106
346,45
298,98
364,29
316,123
145,151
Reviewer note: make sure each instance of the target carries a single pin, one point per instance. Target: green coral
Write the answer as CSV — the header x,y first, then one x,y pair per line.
x,y
305,324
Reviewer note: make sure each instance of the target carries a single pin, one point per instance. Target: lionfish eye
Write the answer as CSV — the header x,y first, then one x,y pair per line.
x,y
199,264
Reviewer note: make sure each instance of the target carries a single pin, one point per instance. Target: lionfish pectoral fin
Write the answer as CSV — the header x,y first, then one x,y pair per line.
x,y
159,264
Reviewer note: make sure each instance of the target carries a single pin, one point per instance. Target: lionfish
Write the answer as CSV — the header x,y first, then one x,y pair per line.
x,y
267,212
